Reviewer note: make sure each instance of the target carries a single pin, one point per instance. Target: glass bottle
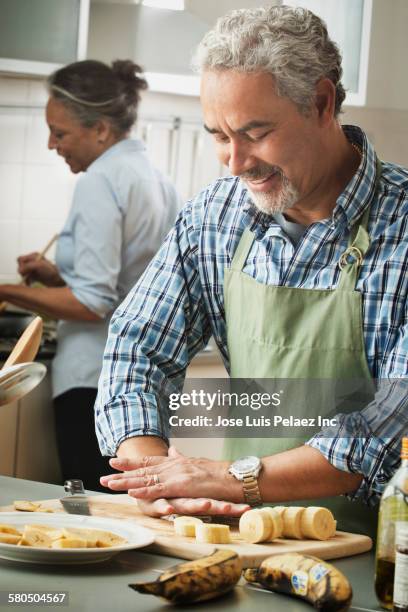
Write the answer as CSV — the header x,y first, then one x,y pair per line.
x,y
393,508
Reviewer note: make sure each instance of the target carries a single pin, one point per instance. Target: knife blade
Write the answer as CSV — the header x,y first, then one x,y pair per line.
x,y
76,504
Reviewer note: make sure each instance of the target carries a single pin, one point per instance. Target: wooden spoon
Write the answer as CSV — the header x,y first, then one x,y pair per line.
x,y
27,345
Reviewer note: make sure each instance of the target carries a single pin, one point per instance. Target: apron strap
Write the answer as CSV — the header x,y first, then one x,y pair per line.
x,y
359,242
243,248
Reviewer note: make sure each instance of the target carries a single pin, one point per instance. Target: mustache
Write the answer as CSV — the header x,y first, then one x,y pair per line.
x,y
261,172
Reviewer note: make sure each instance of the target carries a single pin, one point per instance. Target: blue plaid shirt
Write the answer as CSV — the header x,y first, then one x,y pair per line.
x,y
178,304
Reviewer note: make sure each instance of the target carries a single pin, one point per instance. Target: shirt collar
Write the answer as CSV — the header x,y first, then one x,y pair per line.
x,y
127,144
357,195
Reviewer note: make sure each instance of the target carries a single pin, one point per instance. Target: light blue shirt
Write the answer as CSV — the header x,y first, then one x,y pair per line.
x,y
122,209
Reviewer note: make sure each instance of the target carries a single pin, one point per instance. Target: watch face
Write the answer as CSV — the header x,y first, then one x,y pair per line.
x,y
246,464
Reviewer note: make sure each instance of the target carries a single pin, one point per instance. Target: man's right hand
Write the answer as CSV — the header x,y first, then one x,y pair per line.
x,y
186,506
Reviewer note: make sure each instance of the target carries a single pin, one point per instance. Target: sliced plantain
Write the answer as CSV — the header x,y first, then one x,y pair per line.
x,y
71,542
9,529
292,522
212,533
186,525
35,537
317,523
26,506
199,580
9,538
276,523
255,526
89,535
306,577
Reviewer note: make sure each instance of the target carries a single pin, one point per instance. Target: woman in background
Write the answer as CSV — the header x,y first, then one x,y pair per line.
x,y
121,212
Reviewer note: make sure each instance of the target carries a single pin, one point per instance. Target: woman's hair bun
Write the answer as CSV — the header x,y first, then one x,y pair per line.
x,y
93,90
131,77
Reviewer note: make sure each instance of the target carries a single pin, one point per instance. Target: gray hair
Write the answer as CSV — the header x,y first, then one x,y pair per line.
x,y
91,91
292,44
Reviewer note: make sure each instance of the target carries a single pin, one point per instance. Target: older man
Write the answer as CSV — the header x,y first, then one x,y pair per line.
x,y
296,265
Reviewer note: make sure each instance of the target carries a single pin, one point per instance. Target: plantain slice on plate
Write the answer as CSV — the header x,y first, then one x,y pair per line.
x,y
198,580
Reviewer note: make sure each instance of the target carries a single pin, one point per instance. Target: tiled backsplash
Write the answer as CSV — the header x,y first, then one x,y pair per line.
x,y
36,185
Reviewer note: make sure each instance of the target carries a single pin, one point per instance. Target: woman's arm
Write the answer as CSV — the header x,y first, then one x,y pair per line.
x,y
57,302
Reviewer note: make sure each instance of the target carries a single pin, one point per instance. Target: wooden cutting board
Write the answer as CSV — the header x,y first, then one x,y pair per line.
x,y
166,543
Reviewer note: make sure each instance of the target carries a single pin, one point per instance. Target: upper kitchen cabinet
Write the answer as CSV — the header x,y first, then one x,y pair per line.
x,y
349,25
38,36
161,40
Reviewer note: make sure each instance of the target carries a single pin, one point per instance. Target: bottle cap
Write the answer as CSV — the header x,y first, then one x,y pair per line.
x,y
401,538
404,448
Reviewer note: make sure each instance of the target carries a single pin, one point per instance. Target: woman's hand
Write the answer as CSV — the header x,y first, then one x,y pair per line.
x,y
34,269
174,476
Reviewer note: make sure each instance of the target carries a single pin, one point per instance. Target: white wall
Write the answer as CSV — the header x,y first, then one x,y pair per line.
x,y
35,186
387,70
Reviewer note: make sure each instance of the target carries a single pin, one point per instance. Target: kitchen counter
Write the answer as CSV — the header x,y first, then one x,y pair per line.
x,y
104,586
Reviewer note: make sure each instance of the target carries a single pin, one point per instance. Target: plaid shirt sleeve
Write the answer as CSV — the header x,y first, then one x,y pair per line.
x,y
153,335
368,442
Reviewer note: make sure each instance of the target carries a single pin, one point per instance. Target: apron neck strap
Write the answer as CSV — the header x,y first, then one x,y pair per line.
x,y
358,245
242,252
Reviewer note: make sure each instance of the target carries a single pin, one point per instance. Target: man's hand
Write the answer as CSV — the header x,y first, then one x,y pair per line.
x,y
151,478
172,500
185,505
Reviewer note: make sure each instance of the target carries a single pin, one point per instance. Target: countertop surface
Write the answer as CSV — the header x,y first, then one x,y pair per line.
x,y
104,586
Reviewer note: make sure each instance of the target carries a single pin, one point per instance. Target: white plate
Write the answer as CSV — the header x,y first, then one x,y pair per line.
x,y
136,537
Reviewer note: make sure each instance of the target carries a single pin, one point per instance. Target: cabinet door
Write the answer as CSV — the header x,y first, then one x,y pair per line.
x,y
37,36
349,24
8,437
36,455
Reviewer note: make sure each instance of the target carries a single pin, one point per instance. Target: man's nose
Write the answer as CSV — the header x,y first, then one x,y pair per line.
x,y
52,144
240,159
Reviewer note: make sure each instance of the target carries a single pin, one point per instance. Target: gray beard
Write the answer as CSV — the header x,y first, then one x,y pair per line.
x,y
272,202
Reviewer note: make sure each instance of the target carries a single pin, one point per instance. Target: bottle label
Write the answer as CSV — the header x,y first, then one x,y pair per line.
x,y
401,580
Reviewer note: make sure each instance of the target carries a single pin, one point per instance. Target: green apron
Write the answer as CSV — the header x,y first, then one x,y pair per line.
x,y
292,333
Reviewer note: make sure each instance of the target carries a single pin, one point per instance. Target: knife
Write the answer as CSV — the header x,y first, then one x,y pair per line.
x,y
76,501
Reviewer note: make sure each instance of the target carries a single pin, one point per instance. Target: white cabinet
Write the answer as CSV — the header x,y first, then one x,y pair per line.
x,y
27,436
349,25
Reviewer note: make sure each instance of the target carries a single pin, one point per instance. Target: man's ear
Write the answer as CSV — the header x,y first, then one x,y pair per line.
x,y
325,99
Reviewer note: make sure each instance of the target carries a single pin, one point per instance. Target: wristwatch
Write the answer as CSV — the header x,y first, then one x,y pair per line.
x,y
246,469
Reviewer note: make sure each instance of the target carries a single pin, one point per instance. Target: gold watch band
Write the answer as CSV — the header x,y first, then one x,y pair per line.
x,y
252,494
